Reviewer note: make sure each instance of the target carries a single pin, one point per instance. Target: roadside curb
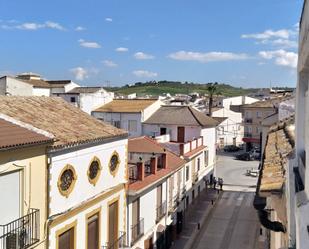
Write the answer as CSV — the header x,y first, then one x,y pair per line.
x,y
202,221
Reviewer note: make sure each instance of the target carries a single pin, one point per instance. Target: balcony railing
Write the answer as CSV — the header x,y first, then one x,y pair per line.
x,y
247,134
119,243
21,233
161,211
195,177
191,145
173,203
137,231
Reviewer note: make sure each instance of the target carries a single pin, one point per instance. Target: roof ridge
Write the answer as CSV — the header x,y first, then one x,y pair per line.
x,y
190,109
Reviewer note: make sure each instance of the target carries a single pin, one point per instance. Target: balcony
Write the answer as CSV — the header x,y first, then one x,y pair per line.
x,y
21,233
195,177
163,138
249,135
118,243
137,231
173,204
161,211
248,120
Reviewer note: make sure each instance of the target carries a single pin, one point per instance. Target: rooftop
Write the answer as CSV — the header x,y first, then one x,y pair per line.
x,y
13,135
269,103
147,145
86,89
126,105
279,145
181,115
68,124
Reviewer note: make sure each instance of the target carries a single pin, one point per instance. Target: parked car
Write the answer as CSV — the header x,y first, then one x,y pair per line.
x,y
231,148
247,156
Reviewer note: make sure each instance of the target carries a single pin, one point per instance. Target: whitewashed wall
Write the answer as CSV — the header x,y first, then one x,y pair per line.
x,y
147,112
37,91
14,87
81,160
91,101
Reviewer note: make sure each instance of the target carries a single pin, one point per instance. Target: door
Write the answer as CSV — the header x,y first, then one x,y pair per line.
x,y
234,141
113,225
181,134
10,198
66,239
93,232
179,222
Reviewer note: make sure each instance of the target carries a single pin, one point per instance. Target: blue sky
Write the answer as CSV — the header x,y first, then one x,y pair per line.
x,y
116,42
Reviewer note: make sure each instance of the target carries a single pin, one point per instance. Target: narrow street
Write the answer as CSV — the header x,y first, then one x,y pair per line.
x,y
233,223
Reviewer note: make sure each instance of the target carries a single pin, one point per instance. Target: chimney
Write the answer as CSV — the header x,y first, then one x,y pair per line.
x,y
153,165
140,171
164,161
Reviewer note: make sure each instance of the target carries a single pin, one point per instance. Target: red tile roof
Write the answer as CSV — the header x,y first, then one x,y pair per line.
x,y
13,136
148,145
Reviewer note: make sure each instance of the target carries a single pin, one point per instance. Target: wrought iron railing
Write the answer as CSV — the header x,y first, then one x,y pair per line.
x,y
161,211
173,203
247,134
147,170
119,243
22,232
133,174
137,231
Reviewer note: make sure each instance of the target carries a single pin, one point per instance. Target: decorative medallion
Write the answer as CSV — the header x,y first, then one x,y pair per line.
x,y
67,180
94,170
114,163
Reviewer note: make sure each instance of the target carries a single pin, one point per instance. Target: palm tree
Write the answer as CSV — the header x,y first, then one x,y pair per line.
x,y
212,89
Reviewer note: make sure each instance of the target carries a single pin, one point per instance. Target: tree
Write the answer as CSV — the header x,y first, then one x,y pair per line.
x,y
212,89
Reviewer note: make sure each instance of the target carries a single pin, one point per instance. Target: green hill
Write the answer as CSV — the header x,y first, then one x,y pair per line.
x,y
174,87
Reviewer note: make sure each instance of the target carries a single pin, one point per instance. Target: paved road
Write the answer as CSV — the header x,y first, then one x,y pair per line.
x,y
232,224
233,173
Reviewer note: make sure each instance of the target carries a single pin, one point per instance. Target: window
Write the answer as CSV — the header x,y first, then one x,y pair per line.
x,y
113,232
132,126
94,170
162,131
73,100
135,212
258,114
66,180
187,173
116,124
198,164
206,157
66,239
114,163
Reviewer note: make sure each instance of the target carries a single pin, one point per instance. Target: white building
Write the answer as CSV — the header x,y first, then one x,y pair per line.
x,y
87,98
162,186
87,173
127,114
299,178
230,130
180,127
31,84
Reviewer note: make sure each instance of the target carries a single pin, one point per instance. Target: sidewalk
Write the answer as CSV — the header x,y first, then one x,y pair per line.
x,y
196,213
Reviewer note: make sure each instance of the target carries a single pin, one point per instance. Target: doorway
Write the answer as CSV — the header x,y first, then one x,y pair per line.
x,y
180,134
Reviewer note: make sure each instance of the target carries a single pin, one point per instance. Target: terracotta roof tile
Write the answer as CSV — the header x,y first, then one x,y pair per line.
x,y
148,145
14,136
68,124
181,115
126,105
277,149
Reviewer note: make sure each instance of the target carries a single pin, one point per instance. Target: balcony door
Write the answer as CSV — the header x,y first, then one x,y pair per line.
x,y
66,239
93,232
180,134
113,233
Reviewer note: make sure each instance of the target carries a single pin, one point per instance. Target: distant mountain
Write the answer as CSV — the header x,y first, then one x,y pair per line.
x,y
156,88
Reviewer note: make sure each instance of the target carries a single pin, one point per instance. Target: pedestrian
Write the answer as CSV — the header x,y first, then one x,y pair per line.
x,y
215,182
220,183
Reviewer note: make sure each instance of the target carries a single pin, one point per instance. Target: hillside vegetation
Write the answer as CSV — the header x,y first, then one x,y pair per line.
x,y
174,87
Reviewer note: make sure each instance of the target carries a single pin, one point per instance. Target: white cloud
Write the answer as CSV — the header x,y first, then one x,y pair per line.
x,y
109,63
206,57
79,73
121,49
108,19
285,43
36,26
281,57
80,28
143,56
268,34
88,44
144,74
